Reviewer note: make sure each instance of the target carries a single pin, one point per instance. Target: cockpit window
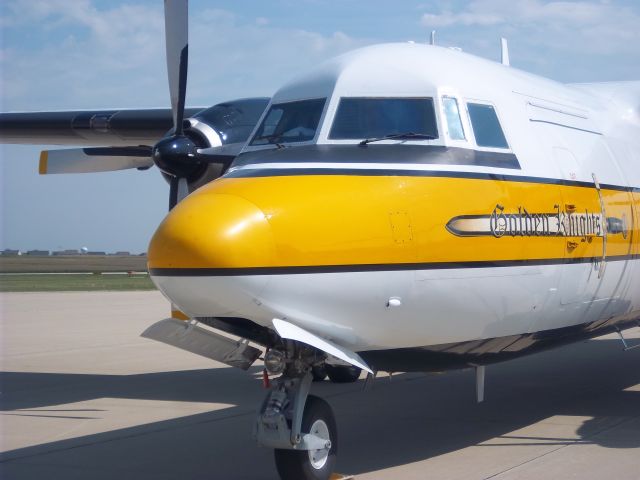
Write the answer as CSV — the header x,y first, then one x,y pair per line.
x,y
486,126
290,122
452,114
361,118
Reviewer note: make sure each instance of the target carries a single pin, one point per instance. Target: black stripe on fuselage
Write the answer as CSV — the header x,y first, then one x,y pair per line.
x,y
375,153
396,172
378,267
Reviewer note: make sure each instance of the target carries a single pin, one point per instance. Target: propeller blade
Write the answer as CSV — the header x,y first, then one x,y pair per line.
x,y
90,160
178,189
176,27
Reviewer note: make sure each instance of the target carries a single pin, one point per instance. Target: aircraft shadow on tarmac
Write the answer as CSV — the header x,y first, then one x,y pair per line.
x,y
411,418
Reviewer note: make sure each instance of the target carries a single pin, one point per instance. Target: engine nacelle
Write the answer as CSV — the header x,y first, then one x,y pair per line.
x,y
225,124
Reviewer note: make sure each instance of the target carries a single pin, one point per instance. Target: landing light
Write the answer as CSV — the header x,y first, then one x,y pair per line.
x,y
274,362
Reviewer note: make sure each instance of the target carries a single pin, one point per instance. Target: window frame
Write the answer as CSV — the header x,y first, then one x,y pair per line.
x,y
472,131
462,114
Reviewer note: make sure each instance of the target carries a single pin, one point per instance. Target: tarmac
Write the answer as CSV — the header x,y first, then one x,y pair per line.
x,y
83,396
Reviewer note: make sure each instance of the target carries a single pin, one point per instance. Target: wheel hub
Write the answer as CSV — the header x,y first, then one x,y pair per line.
x,y
318,458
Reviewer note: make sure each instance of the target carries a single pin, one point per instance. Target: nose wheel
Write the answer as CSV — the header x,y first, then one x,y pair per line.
x,y
299,427
316,463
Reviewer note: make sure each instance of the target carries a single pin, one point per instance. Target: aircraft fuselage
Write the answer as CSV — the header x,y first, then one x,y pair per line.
x,y
428,254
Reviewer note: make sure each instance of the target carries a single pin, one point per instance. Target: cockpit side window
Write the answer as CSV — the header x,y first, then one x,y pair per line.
x,y
486,126
452,114
290,122
360,118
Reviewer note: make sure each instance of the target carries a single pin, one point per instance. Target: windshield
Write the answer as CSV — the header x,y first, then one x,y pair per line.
x,y
290,122
361,118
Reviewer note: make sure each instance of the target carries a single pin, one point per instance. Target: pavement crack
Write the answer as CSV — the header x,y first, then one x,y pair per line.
x,y
580,441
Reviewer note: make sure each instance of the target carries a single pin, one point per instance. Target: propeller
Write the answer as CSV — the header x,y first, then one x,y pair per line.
x,y
174,155
179,155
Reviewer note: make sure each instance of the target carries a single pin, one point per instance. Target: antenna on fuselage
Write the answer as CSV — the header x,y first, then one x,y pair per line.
x,y
432,40
505,51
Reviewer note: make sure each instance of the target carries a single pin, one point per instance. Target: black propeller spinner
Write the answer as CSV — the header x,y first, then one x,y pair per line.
x,y
177,156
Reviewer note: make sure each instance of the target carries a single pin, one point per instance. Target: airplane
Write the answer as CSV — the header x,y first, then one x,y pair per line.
x,y
403,207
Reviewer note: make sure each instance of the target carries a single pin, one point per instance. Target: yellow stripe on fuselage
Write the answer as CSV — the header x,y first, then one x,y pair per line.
x,y
320,220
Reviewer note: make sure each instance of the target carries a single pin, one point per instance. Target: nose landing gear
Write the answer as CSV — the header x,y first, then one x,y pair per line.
x,y
299,427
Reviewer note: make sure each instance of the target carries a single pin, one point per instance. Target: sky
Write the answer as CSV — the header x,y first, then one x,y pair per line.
x,y
80,54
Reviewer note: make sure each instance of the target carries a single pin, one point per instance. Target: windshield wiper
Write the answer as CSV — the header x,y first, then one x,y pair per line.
x,y
399,136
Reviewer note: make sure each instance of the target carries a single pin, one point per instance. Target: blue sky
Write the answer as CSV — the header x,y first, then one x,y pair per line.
x,y
62,54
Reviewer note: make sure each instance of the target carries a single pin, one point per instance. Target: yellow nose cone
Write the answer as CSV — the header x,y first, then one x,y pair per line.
x,y
210,230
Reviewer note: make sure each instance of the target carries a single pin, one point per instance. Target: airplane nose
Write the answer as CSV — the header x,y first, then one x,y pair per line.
x,y
212,231
202,255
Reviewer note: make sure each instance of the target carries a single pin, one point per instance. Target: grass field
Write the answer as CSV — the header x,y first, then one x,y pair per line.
x,y
73,263
73,282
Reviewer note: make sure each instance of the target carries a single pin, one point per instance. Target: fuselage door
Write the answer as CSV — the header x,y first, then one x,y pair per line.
x,y
596,223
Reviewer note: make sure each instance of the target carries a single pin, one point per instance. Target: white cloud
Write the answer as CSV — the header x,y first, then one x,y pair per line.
x,y
114,56
448,19
82,57
596,26
245,58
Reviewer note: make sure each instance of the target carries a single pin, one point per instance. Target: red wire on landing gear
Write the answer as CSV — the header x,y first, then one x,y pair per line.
x,y
265,379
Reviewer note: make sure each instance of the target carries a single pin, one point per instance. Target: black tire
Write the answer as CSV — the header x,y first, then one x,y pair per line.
x,y
296,465
343,374
319,372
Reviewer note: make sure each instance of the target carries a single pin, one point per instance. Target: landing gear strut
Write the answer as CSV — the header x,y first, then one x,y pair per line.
x,y
299,427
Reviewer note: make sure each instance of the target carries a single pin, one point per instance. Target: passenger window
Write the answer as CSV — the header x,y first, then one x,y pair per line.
x,y
452,114
486,126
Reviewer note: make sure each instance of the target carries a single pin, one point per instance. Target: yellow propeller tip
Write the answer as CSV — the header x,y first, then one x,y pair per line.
x,y
44,158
